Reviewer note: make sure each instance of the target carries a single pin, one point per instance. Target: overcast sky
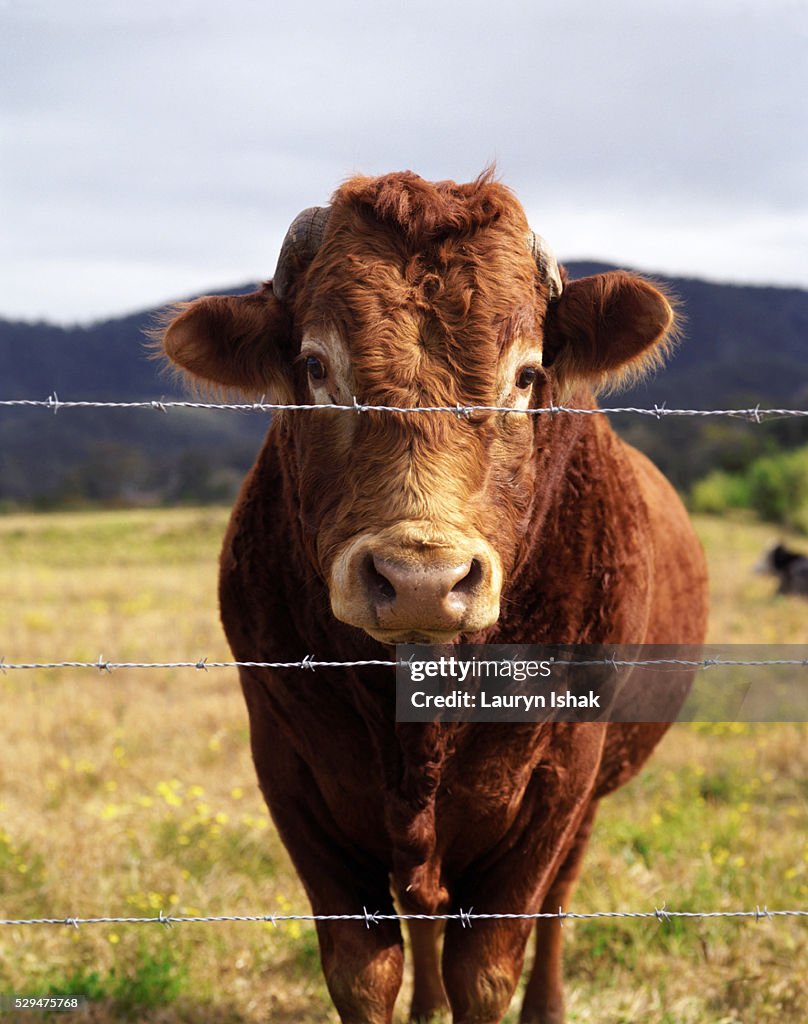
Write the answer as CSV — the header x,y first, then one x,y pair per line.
x,y
150,150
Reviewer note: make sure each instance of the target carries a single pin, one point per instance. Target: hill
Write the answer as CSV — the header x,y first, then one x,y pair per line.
x,y
116,456
742,345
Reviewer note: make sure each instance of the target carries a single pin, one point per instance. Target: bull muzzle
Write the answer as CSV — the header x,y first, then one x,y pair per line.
x,y
416,587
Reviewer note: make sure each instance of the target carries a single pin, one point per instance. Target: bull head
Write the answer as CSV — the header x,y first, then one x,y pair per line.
x,y
406,293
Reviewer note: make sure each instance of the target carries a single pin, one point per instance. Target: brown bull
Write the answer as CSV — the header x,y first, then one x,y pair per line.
x,y
357,530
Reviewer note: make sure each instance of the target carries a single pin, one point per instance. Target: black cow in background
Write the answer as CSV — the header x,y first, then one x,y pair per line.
x,y
790,568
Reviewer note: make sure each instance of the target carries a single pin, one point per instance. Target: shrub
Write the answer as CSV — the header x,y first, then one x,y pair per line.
x,y
719,491
775,487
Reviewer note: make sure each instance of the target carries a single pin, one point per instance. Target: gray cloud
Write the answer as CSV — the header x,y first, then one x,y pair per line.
x,y
149,152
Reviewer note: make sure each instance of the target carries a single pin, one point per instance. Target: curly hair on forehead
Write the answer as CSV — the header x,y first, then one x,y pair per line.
x,y
424,210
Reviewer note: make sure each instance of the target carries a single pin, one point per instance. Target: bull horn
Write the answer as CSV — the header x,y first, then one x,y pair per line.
x,y
547,264
302,241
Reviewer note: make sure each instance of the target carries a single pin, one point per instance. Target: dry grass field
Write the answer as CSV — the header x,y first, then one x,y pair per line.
x,y
133,792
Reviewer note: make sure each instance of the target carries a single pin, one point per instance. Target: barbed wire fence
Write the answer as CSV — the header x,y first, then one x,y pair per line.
x,y
54,404
369,918
312,664
465,917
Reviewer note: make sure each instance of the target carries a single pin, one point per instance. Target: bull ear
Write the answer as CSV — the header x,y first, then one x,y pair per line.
x,y
238,342
608,330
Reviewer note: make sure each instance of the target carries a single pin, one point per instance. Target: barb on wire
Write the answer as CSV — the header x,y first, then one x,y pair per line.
x,y
662,914
464,917
55,404
310,663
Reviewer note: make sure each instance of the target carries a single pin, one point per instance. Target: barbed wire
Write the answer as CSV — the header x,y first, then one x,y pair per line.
x,y
201,664
310,663
54,404
369,918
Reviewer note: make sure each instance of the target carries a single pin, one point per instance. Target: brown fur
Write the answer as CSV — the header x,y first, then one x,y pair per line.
x,y
227,343
429,285
638,319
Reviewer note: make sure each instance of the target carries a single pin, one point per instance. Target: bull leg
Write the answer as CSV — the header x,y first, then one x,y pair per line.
x,y
363,966
544,996
482,963
429,996
481,967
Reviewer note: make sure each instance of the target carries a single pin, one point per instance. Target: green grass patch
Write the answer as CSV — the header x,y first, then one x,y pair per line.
x,y
154,977
22,869
306,951
134,537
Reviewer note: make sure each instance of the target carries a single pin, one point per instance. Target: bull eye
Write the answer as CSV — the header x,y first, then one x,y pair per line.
x,y
526,377
316,368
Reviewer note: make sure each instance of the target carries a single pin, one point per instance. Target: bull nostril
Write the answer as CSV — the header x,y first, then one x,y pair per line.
x,y
471,581
378,585
416,589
